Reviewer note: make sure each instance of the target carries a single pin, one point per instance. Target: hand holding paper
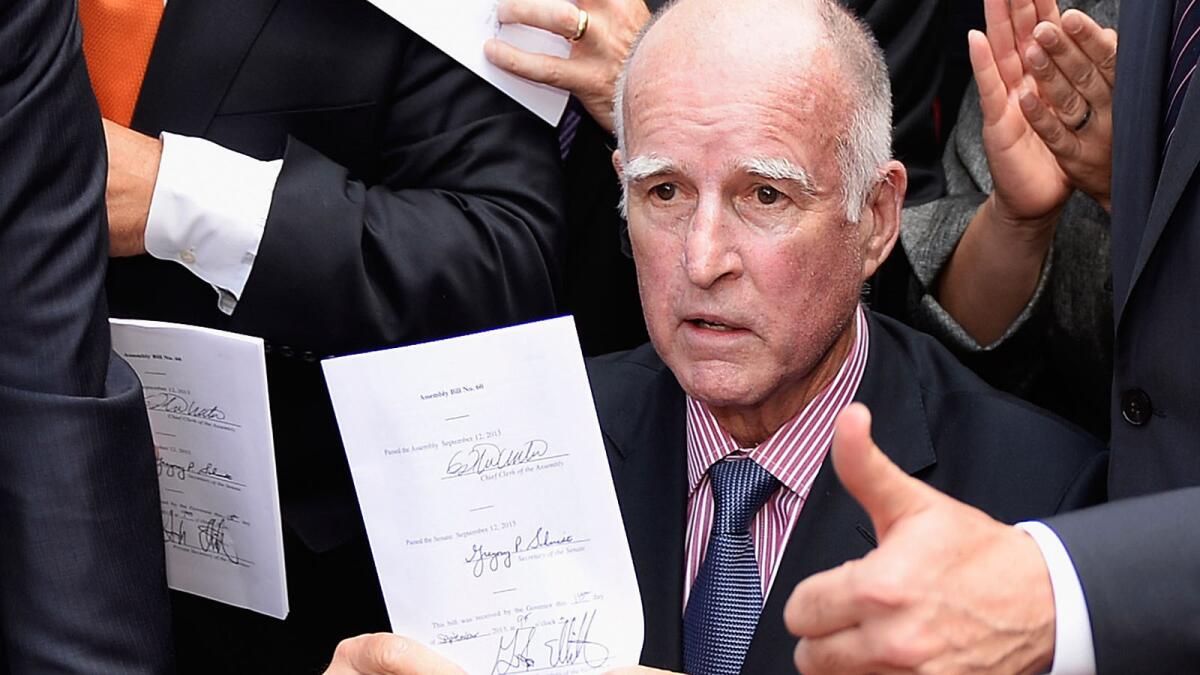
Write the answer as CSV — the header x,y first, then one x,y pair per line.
x,y
485,488
461,28
591,70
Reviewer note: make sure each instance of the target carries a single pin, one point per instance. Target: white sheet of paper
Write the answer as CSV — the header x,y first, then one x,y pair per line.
x,y
461,27
488,501
206,393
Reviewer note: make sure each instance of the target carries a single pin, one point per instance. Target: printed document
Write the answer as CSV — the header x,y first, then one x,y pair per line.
x,y
488,501
460,28
206,394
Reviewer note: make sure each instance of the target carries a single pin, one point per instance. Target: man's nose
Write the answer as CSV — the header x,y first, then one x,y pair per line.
x,y
709,252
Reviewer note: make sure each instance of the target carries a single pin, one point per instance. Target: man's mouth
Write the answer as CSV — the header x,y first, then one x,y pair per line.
x,y
712,324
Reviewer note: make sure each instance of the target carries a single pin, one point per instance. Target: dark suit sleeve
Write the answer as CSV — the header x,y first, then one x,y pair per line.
x,y
82,584
462,231
1139,563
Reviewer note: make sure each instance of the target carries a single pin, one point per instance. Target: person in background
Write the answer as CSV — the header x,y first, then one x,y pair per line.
x,y
1017,225
315,174
82,579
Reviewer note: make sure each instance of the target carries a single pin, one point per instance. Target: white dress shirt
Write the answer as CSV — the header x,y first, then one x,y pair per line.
x,y
208,212
1074,653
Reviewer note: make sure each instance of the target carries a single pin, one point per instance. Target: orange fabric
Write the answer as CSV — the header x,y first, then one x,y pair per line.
x,y
118,36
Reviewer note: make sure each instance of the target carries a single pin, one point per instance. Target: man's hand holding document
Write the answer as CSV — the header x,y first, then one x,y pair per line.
x,y
461,28
488,501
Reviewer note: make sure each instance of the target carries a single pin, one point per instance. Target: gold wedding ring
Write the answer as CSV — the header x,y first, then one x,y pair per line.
x,y
581,27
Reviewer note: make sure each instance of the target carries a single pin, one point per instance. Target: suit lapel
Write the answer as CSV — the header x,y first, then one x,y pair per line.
x,y
1178,169
200,47
643,417
1139,213
832,527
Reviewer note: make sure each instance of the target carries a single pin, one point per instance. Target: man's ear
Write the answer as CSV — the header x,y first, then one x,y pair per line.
x,y
626,244
881,215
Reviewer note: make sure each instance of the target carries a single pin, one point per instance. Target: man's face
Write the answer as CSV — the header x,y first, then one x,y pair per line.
x,y
747,266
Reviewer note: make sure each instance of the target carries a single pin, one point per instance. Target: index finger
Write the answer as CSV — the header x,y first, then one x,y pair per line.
x,y
556,16
1024,15
1098,43
993,94
1072,63
825,603
1000,37
1047,10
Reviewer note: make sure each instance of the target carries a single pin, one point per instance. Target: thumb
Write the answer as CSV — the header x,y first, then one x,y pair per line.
x,y
882,488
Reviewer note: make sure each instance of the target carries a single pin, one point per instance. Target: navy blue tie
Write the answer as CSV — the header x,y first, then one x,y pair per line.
x,y
1185,53
726,599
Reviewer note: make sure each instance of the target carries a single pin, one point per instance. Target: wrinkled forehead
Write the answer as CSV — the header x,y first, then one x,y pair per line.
x,y
718,113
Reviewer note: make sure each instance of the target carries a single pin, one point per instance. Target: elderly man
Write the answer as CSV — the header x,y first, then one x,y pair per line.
x,y
754,148
911,32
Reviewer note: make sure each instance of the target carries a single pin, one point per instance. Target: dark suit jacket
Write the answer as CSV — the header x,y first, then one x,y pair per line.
x,y
934,418
1139,561
82,582
600,282
415,202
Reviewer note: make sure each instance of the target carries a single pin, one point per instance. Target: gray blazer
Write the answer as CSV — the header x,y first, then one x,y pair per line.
x,y
1058,353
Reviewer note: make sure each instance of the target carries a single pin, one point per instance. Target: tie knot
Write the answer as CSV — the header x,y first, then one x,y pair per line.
x,y
740,488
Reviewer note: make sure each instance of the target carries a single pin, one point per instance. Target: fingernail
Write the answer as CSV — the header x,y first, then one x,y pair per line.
x,y
1072,23
1037,57
1028,101
489,49
1045,35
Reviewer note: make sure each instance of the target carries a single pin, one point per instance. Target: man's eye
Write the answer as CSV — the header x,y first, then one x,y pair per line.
x,y
665,192
766,194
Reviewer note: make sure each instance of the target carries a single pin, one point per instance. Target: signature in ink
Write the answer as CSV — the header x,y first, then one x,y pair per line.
x,y
213,538
174,530
212,471
512,656
174,403
483,560
541,539
451,638
572,646
180,472
171,470
485,457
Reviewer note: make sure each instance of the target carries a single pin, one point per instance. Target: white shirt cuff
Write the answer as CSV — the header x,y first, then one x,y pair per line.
x,y
208,212
1073,650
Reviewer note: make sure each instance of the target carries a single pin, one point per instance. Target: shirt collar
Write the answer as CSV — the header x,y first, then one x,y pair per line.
x,y
803,439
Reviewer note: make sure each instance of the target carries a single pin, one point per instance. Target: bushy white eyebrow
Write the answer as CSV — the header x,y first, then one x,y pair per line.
x,y
779,168
639,169
647,166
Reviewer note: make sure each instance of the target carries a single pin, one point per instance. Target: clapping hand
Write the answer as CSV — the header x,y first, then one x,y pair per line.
x,y
1074,64
1045,89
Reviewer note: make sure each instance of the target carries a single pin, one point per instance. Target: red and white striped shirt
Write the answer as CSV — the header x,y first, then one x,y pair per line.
x,y
793,454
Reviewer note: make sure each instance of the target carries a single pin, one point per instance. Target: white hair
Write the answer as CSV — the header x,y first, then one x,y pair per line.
x,y
639,169
781,168
865,145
